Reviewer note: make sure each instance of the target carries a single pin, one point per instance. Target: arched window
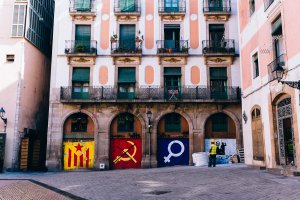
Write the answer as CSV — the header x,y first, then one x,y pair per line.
x,y
251,6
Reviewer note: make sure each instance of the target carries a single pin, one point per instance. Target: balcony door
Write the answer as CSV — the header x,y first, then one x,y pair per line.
x,y
83,5
126,83
82,38
216,35
171,5
80,83
172,82
215,5
127,37
277,38
218,82
172,36
127,5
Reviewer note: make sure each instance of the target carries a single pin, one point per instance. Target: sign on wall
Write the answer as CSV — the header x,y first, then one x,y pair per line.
x,y
172,152
78,155
125,153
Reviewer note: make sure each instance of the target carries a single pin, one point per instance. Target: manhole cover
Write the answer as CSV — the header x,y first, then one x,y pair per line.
x,y
156,192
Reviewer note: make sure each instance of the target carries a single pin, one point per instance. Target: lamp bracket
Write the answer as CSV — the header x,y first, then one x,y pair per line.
x,y
293,84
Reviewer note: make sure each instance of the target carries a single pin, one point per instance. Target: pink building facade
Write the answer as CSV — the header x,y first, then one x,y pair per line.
x,y
270,60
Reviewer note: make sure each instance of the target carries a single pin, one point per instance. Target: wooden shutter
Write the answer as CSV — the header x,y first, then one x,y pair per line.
x,y
81,74
126,75
83,32
19,19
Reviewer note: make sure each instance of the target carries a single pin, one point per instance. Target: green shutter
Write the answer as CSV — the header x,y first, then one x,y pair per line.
x,y
219,123
81,74
173,123
172,71
127,37
83,32
126,75
277,27
219,73
127,5
83,5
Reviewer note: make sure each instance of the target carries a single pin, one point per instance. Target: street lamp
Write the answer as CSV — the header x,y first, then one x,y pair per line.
x,y
4,119
149,115
279,71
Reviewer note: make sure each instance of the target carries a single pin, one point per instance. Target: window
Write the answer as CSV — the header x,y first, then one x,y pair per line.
x,y
218,82
127,5
10,58
83,5
125,122
172,78
79,123
173,123
80,83
277,37
19,19
127,37
252,6
255,65
82,39
219,123
171,5
126,82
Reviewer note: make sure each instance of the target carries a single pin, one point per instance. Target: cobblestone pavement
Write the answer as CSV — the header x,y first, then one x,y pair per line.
x,y
228,182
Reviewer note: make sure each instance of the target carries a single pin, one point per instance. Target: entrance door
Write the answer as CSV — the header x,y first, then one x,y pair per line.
x,y
286,138
127,37
172,37
171,6
172,79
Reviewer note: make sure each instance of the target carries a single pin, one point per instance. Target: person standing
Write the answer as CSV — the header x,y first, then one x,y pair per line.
x,y
212,154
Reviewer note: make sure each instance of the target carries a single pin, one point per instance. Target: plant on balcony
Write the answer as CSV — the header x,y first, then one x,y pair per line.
x,y
185,49
67,50
114,38
79,48
139,38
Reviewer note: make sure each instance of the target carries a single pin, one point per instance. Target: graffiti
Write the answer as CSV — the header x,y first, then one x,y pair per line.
x,y
172,151
78,155
125,153
171,154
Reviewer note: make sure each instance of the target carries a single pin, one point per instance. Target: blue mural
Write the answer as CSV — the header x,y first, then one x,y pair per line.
x,y
172,152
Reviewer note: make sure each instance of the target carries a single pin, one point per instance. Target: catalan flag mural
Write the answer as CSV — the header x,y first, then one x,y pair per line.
x,y
78,155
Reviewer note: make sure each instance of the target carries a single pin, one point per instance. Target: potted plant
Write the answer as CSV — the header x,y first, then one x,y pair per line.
x,y
185,49
79,48
67,50
139,38
114,38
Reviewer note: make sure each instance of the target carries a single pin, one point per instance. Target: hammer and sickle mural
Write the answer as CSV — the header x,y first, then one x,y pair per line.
x,y
125,153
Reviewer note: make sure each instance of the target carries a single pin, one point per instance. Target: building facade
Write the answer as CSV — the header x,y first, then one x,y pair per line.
x,y
25,46
270,60
142,83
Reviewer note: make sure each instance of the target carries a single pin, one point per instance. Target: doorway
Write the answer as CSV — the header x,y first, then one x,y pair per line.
x,y
172,37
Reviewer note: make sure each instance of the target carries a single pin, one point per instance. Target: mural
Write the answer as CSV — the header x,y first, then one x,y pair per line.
x,y
125,153
172,152
78,155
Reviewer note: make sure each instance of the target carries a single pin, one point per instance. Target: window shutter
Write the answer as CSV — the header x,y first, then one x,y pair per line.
x,y
172,71
83,33
19,18
277,27
81,74
126,75
218,73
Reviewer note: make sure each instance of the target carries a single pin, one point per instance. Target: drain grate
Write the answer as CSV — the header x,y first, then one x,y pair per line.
x,y
158,192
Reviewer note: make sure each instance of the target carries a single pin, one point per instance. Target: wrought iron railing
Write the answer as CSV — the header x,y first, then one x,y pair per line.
x,y
222,46
268,3
276,65
216,6
119,8
126,47
82,6
145,93
81,46
177,7
172,46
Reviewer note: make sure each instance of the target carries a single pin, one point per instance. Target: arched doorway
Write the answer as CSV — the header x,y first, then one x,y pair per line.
x,y
78,142
222,129
125,142
172,141
257,135
286,141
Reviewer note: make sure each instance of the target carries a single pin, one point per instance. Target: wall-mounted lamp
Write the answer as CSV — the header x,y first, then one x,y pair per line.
x,y
245,118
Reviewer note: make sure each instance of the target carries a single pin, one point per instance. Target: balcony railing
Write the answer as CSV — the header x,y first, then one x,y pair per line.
x,y
221,6
172,47
275,65
178,7
218,47
126,47
81,47
134,8
155,94
268,3
82,6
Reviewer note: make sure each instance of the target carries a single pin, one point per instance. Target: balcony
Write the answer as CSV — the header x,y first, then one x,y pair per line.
x,y
173,10
218,48
152,94
275,66
268,3
121,9
217,10
82,9
172,47
126,48
81,48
